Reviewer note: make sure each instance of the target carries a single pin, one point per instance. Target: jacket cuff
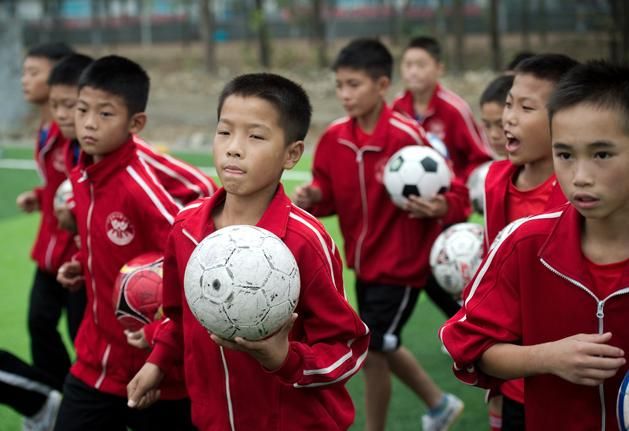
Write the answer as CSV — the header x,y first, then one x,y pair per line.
x,y
290,370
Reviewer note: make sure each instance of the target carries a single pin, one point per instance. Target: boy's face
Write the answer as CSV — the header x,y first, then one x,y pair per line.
x,y
102,122
491,116
591,155
250,150
420,71
358,92
62,102
35,73
525,120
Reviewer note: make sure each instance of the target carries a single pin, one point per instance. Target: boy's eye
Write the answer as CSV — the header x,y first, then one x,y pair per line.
x,y
222,132
257,137
602,155
508,104
106,114
81,110
563,155
527,108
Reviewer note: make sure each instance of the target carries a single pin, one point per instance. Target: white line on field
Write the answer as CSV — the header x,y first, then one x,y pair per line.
x,y
22,164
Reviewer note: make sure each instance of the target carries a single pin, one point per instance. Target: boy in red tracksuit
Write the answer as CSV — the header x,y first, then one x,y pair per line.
x,y
48,298
122,211
294,379
387,247
549,302
492,104
438,110
524,184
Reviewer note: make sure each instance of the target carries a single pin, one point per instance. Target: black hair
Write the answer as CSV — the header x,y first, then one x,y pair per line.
x,y
69,69
598,83
519,58
368,55
549,67
53,51
289,99
121,77
497,90
428,44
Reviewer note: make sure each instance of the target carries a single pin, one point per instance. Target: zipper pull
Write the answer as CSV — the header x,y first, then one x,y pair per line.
x,y
359,156
83,176
599,309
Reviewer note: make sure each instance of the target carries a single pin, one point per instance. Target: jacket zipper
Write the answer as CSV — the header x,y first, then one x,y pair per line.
x,y
600,315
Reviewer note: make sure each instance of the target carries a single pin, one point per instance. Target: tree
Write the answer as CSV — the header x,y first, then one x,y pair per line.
x,y
260,24
146,34
494,35
543,22
96,35
619,31
524,26
458,17
207,24
12,104
320,32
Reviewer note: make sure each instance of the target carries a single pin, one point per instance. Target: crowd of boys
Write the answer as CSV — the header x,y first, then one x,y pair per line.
x,y
540,325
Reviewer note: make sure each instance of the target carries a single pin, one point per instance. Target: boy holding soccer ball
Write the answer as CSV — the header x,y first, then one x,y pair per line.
x,y
388,247
549,303
295,378
121,212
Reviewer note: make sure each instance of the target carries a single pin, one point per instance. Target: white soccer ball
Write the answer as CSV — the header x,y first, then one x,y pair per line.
x,y
456,255
436,142
622,404
242,281
476,186
416,170
62,195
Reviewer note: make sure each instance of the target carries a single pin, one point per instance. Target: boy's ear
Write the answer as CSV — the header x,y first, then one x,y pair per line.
x,y
137,122
293,153
383,84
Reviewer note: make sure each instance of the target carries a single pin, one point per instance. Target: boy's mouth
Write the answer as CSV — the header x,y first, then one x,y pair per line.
x,y
513,143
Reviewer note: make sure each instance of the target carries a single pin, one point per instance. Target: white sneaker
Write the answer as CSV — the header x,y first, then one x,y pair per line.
x,y
44,419
448,415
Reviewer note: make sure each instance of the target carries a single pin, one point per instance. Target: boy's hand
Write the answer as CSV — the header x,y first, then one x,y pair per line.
x,y
137,338
142,389
584,359
65,219
426,208
270,352
70,275
306,196
27,201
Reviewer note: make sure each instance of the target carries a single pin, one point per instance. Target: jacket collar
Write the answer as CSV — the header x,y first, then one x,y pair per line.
x,y
562,250
408,104
275,218
348,133
112,162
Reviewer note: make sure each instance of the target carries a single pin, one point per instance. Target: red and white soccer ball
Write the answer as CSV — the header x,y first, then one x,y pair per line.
x,y
416,170
242,281
137,295
476,187
456,255
63,195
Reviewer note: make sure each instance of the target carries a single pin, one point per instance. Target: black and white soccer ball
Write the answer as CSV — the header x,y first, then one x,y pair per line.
x,y
476,187
416,170
242,281
456,255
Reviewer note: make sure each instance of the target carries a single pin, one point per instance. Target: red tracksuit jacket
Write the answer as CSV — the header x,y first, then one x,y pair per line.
x,y
499,176
122,211
534,287
53,246
382,244
230,390
450,118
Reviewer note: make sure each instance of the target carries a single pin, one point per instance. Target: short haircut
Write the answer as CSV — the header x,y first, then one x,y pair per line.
x,y
599,84
497,90
121,77
428,44
69,69
548,67
53,51
289,99
519,58
367,55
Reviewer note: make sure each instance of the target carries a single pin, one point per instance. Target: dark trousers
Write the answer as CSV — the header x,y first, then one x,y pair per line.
x,y
512,415
48,299
442,299
22,387
85,408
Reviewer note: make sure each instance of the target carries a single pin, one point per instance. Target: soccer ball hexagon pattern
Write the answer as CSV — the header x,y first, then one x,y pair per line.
x,y
416,170
242,281
456,255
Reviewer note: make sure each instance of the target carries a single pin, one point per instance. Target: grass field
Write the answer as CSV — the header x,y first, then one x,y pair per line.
x,y
17,232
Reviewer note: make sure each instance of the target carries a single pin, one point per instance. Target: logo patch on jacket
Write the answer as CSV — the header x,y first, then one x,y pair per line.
x,y
120,231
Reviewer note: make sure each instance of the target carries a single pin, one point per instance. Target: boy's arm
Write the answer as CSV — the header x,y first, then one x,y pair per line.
x,y
321,180
458,202
471,142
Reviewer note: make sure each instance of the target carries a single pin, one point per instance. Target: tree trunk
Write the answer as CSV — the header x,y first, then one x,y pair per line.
x,y
96,35
543,22
14,109
524,23
458,17
263,35
206,32
494,35
146,35
320,33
